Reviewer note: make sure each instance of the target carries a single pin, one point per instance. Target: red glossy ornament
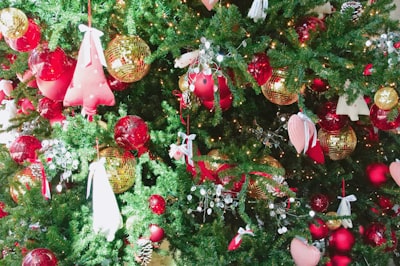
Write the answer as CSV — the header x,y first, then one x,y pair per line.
x,y
375,235
131,132
260,68
377,173
51,110
2,212
40,257
380,118
25,106
115,84
308,26
231,183
340,260
29,41
319,85
224,104
328,119
157,204
24,149
318,229
341,240
319,202
156,233
47,64
385,203
203,85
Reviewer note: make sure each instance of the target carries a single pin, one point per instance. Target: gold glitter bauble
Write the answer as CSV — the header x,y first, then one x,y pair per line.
x,y
275,89
333,224
25,179
216,160
13,23
386,98
338,144
183,83
271,161
125,57
120,169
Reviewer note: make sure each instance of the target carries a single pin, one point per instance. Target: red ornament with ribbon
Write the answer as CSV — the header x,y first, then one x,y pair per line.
x,y
237,240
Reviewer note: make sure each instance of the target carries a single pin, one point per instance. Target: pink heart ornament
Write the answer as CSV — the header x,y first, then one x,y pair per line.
x,y
304,254
394,169
209,4
296,130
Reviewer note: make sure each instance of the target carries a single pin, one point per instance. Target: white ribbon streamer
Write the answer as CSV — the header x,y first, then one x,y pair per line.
x,y
187,146
257,10
345,210
86,44
242,232
307,122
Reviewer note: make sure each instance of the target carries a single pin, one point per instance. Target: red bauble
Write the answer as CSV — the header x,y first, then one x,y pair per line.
x,y
318,229
329,120
224,104
260,68
340,260
341,240
308,25
40,257
385,203
375,235
203,85
231,184
51,110
2,212
29,41
24,149
131,132
157,204
28,78
156,233
319,85
379,118
25,106
377,173
319,202
115,84
47,64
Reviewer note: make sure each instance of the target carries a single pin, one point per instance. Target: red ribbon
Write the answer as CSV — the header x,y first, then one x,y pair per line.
x,y
182,104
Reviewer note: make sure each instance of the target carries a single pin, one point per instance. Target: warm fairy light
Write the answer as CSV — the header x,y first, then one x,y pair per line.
x,y
248,34
273,45
228,5
290,23
212,140
199,125
170,24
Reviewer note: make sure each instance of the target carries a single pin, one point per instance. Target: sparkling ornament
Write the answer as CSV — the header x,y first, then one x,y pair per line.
x,y
183,83
47,64
318,229
120,169
157,204
375,235
156,233
23,180
131,132
333,223
308,27
29,41
338,144
386,98
328,119
115,84
342,240
24,148
13,22
355,7
216,161
319,85
260,68
51,110
319,202
125,57
377,173
380,118
271,161
275,90
40,256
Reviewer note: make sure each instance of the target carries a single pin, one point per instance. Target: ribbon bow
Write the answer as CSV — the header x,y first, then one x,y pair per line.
x,y
307,122
345,209
257,10
95,35
187,148
237,240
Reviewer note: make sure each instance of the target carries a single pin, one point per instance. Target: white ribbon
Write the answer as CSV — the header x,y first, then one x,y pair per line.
x,y
307,121
257,10
242,232
187,149
94,34
345,210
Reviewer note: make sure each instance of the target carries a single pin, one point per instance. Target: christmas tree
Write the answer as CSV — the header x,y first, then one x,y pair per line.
x,y
199,132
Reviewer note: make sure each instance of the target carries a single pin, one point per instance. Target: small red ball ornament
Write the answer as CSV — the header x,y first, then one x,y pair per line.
x,y
24,149
47,64
328,119
380,118
319,85
341,240
377,173
29,41
115,84
375,235
51,110
319,202
40,256
131,132
309,26
340,260
260,68
156,233
385,203
157,204
318,229
202,85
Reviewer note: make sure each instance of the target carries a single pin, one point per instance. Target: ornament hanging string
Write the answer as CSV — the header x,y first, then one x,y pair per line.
x,y
344,208
89,14
182,105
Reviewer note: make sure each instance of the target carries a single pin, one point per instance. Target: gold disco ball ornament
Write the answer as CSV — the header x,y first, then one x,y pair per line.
x,y
13,23
333,223
275,89
24,179
183,83
125,57
120,168
338,144
216,160
386,98
271,161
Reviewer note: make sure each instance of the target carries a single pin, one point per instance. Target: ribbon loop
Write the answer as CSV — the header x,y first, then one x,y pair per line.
x,y
307,123
187,140
345,209
94,35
